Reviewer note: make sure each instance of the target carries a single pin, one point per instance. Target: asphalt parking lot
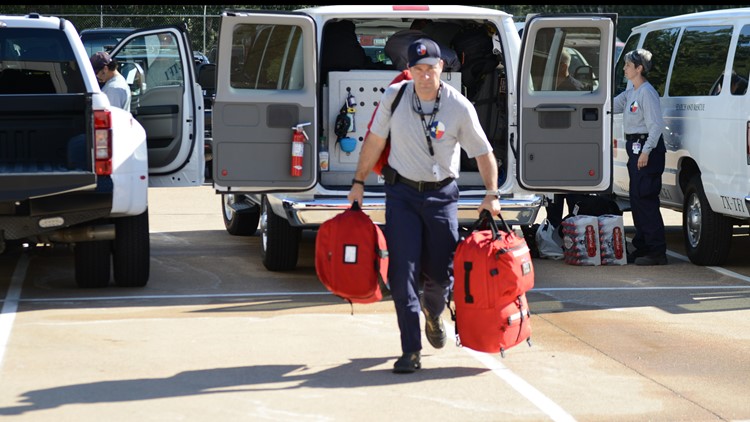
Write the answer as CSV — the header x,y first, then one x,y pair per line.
x,y
216,336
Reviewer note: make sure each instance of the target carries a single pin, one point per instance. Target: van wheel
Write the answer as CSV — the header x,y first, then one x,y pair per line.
x,y
92,263
279,240
239,223
132,252
707,234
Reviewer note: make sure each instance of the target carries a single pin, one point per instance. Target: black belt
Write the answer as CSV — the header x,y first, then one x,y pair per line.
x,y
424,186
636,137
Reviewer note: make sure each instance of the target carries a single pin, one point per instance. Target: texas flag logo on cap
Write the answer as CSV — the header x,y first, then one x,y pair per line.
x,y
421,50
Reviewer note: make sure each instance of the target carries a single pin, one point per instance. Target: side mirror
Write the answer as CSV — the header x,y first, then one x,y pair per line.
x,y
207,77
133,74
585,74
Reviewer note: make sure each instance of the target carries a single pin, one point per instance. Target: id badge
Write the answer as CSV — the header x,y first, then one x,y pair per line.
x,y
636,148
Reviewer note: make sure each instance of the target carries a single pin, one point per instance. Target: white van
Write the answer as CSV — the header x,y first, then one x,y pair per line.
x,y
279,70
701,64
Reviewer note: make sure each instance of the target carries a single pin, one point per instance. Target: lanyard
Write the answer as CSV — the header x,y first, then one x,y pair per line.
x,y
425,126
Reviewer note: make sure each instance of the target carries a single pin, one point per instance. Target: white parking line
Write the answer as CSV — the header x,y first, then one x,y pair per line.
x,y
10,304
276,294
191,296
719,270
536,397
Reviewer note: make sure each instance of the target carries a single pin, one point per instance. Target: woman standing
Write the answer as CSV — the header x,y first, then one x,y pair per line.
x,y
643,125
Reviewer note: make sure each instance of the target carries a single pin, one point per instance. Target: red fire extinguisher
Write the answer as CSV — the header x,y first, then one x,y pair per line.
x,y
298,148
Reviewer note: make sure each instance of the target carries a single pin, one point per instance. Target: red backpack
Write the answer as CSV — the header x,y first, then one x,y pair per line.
x,y
351,256
383,160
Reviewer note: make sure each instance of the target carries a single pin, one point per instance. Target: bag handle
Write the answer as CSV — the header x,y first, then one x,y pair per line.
x,y
486,221
355,206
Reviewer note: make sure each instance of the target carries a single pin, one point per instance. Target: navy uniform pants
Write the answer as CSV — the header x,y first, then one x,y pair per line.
x,y
422,233
645,185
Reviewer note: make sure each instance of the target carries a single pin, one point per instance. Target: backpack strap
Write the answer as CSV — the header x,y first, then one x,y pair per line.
x,y
398,97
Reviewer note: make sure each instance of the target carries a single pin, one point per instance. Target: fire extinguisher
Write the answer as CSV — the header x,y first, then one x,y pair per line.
x,y
298,148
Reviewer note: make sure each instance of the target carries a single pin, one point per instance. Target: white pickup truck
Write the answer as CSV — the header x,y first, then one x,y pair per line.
x,y
74,169
278,70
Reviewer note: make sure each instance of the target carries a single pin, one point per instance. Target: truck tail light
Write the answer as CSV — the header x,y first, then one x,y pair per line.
x,y
747,141
103,142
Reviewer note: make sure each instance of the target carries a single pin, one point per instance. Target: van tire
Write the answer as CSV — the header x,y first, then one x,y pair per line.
x,y
132,251
279,240
707,234
92,263
239,223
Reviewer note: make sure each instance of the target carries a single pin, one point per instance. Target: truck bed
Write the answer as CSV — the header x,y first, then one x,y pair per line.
x,y
43,145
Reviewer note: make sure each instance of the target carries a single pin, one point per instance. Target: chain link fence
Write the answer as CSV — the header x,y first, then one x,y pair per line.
x,y
203,29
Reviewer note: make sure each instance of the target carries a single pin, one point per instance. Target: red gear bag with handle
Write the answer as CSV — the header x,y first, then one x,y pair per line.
x,y
492,271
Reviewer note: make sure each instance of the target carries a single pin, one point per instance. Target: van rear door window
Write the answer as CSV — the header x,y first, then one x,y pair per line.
x,y
267,57
566,60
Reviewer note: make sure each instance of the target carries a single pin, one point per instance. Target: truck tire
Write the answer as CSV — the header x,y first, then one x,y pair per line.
x,y
279,240
131,253
92,263
239,223
707,234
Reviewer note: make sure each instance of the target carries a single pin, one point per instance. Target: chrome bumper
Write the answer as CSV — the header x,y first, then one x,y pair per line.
x,y
312,213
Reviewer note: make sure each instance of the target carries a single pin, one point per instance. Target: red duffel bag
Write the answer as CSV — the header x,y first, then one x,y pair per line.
x,y
492,268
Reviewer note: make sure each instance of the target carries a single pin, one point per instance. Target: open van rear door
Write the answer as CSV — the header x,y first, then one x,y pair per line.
x,y
266,86
158,65
565,135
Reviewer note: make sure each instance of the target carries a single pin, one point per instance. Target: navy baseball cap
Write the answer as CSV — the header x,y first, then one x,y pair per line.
x,y
99,60
424,51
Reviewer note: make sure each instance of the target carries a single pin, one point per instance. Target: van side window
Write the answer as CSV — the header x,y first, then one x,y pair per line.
x,y
621,82
701,57
267,57
741,63
661,44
